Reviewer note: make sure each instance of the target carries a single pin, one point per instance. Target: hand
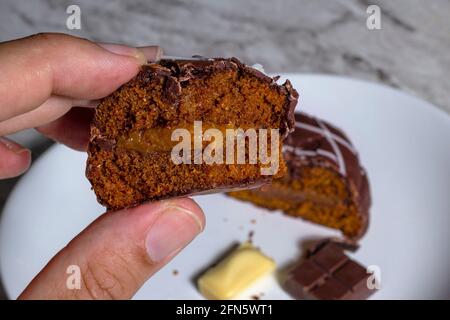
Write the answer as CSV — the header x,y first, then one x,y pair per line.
x,y
51,82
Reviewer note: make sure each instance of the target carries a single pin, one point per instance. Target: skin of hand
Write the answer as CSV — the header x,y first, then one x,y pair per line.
x,y
51,82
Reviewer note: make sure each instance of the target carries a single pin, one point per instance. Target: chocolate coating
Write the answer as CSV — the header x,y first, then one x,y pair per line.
x,y
184,70
317,143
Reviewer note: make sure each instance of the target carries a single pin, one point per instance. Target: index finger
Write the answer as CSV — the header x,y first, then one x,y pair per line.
x,y
34,68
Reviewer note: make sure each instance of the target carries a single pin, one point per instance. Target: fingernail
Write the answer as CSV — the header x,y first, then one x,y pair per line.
x,y
172,231
14,147
152,53
125,51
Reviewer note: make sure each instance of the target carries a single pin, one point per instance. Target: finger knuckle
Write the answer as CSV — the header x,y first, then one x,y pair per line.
x,y
101,283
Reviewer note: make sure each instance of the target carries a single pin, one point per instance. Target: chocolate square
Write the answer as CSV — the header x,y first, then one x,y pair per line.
x,y
355,276
330,290
308,274
328,273
330,257
351,274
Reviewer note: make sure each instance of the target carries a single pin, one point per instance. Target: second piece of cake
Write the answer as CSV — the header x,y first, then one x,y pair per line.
x,y
325,183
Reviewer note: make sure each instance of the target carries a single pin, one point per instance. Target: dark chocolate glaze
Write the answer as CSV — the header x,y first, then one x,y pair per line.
x,y
317,143
185,70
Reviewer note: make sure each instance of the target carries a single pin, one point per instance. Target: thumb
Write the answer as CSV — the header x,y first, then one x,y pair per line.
x,y
119,251
15,159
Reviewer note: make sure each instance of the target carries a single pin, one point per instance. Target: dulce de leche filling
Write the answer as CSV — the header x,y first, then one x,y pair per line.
x,y
163,139
280,192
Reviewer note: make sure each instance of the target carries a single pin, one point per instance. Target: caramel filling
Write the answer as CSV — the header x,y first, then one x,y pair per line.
x,y
279,192
160,139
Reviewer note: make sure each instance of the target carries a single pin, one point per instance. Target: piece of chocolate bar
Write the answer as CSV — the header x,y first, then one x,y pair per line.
x,y
327,273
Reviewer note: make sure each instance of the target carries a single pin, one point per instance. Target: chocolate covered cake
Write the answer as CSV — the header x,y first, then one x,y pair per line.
x,y
325,182
134,153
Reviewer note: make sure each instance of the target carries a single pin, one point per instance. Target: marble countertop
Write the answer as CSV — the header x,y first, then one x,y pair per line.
x,y
410,52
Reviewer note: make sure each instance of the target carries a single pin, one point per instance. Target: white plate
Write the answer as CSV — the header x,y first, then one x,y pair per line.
x,y
404,143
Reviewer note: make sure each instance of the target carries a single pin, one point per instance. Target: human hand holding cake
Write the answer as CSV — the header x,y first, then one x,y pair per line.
x,y
177,128
43,77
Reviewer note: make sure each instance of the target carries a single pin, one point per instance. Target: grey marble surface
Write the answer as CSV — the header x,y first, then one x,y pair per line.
x,y
410,52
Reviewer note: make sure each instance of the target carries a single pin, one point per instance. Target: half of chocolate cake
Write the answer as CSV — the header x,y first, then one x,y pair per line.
x,y
325,182
131,151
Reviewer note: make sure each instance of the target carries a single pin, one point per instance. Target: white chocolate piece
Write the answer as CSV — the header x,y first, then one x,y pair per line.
x,y
236,272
